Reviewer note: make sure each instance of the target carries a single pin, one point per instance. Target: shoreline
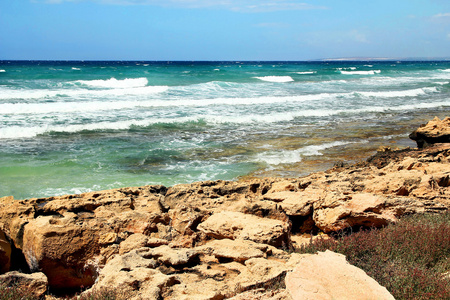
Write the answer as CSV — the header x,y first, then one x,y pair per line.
x,y
212,238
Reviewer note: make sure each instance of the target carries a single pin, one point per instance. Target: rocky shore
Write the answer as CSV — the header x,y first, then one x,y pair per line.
x,y
223,239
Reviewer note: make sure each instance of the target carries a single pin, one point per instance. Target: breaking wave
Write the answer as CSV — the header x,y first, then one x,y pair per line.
x,y
276,78
115,83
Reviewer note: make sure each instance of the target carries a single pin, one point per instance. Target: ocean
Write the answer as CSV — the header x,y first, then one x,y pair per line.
x,y
72,126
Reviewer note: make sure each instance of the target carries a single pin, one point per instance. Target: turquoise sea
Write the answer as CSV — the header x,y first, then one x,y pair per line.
x,y
72,127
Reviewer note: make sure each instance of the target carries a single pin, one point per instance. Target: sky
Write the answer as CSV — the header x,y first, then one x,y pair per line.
x,y
223,29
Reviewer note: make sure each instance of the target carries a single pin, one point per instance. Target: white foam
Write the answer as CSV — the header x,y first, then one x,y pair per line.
x,y
279,79
405,93
14,132
371,72
2,71
117,84
77,69
92,106
349,68
293,156
46,94
306,72
446,70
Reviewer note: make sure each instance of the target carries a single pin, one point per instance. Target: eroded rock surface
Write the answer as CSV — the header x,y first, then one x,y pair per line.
x,y
435,131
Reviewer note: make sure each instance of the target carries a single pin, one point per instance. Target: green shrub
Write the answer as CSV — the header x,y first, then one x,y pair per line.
x,y
408,258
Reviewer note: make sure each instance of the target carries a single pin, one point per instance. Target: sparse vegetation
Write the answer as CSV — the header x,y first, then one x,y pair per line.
x,y
103,294
15,292
410,258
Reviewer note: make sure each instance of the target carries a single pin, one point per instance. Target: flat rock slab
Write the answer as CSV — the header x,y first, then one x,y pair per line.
x,y
237,250
328,275
236,225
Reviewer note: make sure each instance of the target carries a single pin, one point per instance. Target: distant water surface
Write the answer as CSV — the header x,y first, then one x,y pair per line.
x,y
72,127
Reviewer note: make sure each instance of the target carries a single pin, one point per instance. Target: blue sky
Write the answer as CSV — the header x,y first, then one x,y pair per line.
x,y
223,29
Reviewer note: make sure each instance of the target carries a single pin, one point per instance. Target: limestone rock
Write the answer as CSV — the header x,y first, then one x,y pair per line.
x,y
36,283
235,225
327,275
435,131
295,203
139,240
237,250
134,241
60,248
338,212
172,257
134,276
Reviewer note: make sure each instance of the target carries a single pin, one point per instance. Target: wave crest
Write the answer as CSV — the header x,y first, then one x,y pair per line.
x,y
279,79
115,83
371,72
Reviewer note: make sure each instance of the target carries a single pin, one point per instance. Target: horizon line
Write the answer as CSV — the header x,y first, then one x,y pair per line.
x,y
343,59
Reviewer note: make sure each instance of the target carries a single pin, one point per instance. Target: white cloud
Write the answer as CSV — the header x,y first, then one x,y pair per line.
x,y
442,15
234,5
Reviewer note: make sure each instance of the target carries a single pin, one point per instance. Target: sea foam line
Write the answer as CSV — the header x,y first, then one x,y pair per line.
x,y
13,132
44,94
405,93
293,156
279,79
92,106
371,72
115,83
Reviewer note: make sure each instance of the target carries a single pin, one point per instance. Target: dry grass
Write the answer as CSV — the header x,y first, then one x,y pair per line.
x,y
408,258
14,292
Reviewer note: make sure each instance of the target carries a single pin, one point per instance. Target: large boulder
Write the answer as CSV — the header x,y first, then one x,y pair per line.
x,y
435,131
61,248
327,275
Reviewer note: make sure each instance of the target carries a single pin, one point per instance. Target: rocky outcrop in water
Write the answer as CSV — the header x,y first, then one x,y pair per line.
x,y
214,239
435,131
